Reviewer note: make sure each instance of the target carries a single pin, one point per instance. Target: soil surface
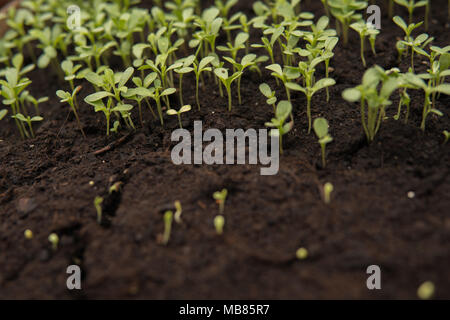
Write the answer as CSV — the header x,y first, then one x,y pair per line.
x,y
45,186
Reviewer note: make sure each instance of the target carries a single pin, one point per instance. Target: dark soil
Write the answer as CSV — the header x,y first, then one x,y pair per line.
x,y
44,186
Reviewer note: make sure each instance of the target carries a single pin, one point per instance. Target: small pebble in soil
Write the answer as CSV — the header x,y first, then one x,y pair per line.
x,y
28,234
411,194
91,183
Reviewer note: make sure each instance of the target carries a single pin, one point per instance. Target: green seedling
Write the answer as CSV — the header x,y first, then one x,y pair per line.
x,y
326,7
168,218
205,39
184,69
429,90
70,71
269,94
282,112
98,201
71,100
446,136
310,88
50,41
377,99
410,5
183,109
416,45
25,96
321,130
364,29
328,188
246,62
28,234
87,48
239,44
178,211
54,240
220,197
404,100
227,80
268,45
142,92
28,120
12,87
219,223
301,253
113,85
345,12
159,93
199,68
285,75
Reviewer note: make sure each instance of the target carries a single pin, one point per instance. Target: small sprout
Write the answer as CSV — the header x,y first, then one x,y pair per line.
x,y
219,223
54,240
178,211
269,94
70,98
327,190
28,234
321,130
411,5
168,217
199,68
301,253
220,197
426,290
365,29
227,80
172,112
115,187
345,12
98,207
446,135
282,112
28,120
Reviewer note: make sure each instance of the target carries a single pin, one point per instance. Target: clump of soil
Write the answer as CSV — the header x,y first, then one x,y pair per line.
x,y
48,184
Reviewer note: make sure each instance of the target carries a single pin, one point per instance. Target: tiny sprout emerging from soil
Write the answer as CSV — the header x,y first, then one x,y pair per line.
x,y
70,98
115,187
321,130
172,112
98,207
28,234
28,120
301,253
220,197
426,290
219,223
178,211
365,29
446,136
54,240
227,80
284,75
282,112
269,94
168,217
328,188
